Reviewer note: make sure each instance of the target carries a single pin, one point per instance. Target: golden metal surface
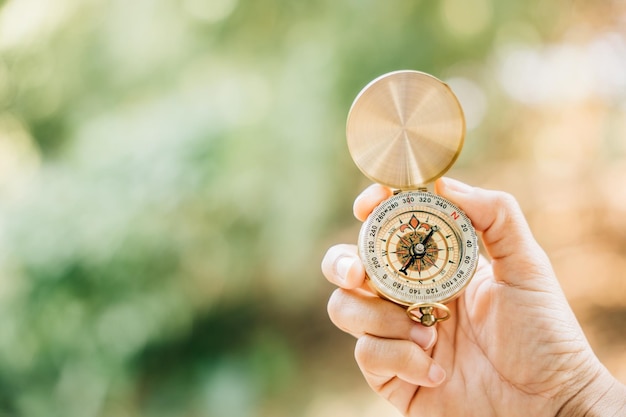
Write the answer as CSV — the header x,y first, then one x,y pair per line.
x,y
405,129
427,310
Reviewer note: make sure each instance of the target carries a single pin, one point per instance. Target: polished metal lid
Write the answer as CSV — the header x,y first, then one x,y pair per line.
x,y
405,129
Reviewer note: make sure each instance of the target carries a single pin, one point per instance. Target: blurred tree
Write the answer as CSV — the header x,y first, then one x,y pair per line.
x,y
169,172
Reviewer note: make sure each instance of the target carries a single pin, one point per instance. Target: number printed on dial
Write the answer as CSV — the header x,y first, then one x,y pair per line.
x,y
418,247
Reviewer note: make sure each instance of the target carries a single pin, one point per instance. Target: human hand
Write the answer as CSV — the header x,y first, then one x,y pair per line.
x,y
511,347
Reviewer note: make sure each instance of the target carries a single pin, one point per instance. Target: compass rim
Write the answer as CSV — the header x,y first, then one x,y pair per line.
x,y
374,280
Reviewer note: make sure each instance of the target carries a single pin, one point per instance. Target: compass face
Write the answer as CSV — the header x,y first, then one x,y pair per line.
x,y
418,247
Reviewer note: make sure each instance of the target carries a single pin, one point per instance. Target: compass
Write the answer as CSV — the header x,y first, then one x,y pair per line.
x,y
405,129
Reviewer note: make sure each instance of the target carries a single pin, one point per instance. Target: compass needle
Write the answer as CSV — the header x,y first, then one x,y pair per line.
x,y
405,129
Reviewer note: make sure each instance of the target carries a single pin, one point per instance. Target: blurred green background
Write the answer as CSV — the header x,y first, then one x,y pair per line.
x,y
172,172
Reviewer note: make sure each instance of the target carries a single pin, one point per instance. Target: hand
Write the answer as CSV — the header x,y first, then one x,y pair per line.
x,y
512,346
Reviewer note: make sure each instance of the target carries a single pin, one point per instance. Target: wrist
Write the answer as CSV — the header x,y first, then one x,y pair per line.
x,y
601,396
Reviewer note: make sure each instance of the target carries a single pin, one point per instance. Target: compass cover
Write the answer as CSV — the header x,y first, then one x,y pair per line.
x,y
405,129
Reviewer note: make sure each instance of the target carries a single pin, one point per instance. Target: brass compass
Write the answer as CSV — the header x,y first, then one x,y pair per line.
x,y
405,129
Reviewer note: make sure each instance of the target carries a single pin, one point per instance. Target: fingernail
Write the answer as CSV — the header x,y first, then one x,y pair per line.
x,y
455,185
423,336
342,267
436,374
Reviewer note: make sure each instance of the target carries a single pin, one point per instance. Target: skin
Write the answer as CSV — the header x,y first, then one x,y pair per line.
x,y
512,347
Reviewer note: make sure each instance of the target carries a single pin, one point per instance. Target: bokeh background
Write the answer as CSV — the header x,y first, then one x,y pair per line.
x,y
172,172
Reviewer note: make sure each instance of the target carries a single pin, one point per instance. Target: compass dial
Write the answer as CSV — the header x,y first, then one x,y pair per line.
x,y
418,248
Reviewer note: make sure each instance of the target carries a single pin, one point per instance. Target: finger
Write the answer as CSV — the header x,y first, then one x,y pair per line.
x,y
484,264
382,360
505,232
341,266
367,201
359,314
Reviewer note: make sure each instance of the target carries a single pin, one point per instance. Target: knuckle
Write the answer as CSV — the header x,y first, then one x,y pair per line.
x,y
345,311
335,306
387,312
328,257
508,210
365,351
504,199
413,356
329,260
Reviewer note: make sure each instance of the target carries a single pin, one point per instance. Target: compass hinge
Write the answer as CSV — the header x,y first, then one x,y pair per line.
x,y
421,189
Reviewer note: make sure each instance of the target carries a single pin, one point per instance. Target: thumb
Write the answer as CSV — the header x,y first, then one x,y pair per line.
x,y
505,232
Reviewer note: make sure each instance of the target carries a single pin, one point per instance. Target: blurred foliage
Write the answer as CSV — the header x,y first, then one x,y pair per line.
x,y
171,172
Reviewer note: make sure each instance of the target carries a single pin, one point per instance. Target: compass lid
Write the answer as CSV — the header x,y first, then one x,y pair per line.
x,y
405,129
